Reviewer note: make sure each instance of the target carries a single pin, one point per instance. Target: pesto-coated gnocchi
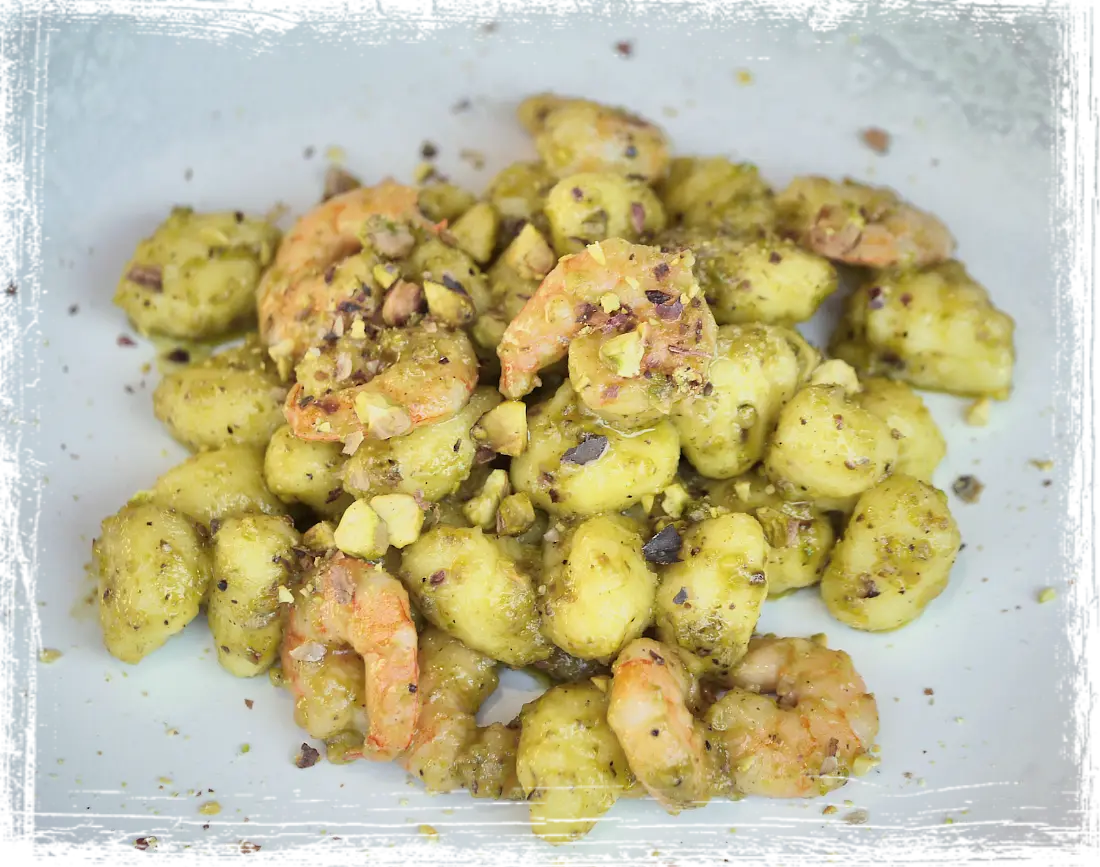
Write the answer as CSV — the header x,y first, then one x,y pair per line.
x,y
757,278
195,277
799,535
253,560
478,588
153,569
716,194
217,484
827,446
232,398
518,192
709,602
430,462
593,206
921,446
570,764
895,557
575,465
307,472
934,328
576,135
758,368
599,588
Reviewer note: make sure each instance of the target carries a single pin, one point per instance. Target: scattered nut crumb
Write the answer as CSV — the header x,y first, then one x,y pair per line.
x,y
248,703
625,48
828,810
247,847
48,655
977,413
125,340
335,154
144,843
307,757
876,139
1047,594
857,817
475,158
210,808
428,831
1045,465
968,488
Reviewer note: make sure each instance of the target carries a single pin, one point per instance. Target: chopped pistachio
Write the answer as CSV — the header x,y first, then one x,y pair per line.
x,y
481,509
362,533
609,302
449,305
402,515
647,502
358,330
48,655
428,831
1047,594
977,413
475,232
385,275
674,499
864,764
529,255
422,172
1043,465
836,372
210,808
597,253
320,537
504,428
515,516
382,418
623,354
246,748
285,595
743,490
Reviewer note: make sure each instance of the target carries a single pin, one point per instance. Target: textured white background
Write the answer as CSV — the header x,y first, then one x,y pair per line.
x,y
107,105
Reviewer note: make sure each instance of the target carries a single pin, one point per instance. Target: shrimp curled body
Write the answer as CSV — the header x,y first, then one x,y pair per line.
x,y
318,282
369,609
643,306
804,741
652,694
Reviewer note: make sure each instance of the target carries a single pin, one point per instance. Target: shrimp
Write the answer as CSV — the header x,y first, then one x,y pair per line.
x,y
369,609
449,749
381,382
804,741
324,676
861,225
652,694
664,331
322,279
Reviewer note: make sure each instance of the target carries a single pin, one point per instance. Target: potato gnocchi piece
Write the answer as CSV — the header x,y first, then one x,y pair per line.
x,y
307,472
430,462
717,194
827,446
895,557
935,328
921,446
479,589
758,278
325,676
709,602
758,368
195,277
594,206
443,201
233,398
449,749
576,135
253,560
152,568
799,535
599,588
217,484
570,764
575,465
518,192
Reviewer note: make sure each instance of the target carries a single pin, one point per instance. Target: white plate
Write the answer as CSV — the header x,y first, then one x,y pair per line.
x,y
144,116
